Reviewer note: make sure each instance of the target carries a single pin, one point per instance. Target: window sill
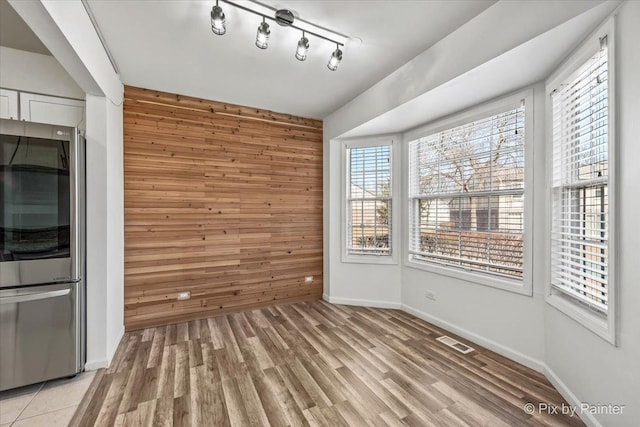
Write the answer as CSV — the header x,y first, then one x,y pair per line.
x,y
584,316
369,259
511,285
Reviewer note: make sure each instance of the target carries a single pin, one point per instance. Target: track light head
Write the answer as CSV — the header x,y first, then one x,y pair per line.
x,y
262,37
302,49
218,25
335,59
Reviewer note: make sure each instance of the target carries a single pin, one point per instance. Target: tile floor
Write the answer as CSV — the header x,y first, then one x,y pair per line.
x,y
50,404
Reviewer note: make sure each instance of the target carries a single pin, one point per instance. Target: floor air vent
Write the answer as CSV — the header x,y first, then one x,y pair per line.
x,y
457,345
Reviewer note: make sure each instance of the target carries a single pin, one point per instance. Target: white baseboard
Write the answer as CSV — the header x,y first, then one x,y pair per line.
x,y
362,302
94,365
505,351
571,398
515,355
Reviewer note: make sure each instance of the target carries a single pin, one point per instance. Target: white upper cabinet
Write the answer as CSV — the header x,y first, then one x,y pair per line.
x,y
51,109
8,104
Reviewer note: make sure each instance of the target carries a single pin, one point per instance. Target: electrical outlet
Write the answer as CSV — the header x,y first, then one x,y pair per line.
x,y
184,295
430,295
308,279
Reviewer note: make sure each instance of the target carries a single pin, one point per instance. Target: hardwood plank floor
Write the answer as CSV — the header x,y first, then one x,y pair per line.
x,y
311,363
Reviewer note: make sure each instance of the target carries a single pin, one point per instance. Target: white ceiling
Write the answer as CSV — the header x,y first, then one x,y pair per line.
x,y
16,34
169,46
528,63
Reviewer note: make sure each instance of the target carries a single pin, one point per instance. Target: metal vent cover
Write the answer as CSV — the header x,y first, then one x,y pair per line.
x,y
455,344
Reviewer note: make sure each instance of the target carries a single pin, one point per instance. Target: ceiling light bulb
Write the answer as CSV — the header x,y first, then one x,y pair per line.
x,y
335,59
262,38
218,25
303,49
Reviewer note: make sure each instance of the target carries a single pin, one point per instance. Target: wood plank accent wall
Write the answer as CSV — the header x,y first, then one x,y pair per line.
x,y
221,200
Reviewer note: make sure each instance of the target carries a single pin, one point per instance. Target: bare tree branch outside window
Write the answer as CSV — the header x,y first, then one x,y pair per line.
x,y
467,195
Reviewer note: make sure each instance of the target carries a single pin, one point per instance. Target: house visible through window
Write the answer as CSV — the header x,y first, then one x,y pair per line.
x,y
466,195
580,184
369,200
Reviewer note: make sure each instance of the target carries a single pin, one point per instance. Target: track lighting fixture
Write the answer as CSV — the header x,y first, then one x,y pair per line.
x,y
218,25
262,38
303,48
335,59
284,18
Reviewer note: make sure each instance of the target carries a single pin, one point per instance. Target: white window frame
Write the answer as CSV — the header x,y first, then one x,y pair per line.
x,y
362,142
602,325
522,285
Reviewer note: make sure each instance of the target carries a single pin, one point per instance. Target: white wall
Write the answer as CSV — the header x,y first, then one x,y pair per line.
x,y
33,72
115,228
429,70
105,219
590,367
97,271
584,367
506,322
346,283
67,32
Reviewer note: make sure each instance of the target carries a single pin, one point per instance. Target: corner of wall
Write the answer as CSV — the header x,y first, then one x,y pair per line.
x,y
569,396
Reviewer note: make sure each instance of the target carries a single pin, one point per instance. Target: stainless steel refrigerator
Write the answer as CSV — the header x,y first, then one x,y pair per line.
x,y
42,253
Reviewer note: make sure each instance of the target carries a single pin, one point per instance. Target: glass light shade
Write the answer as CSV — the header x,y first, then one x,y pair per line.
x,y
218,25
262,38
335,59
303,49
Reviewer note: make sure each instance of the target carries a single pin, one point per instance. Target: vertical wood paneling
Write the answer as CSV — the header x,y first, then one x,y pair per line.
x,y
220,200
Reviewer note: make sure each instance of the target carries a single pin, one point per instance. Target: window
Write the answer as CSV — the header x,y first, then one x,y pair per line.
x,y
580,184
466,195
369,222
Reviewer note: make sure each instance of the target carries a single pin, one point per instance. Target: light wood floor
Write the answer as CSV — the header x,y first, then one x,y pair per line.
x,y
311,363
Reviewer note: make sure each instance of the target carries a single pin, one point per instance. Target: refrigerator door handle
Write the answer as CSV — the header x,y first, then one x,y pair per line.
x,y
34,296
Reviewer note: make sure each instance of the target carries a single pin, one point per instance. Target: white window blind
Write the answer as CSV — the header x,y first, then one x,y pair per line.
x,y
580,184
466,195
369,200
